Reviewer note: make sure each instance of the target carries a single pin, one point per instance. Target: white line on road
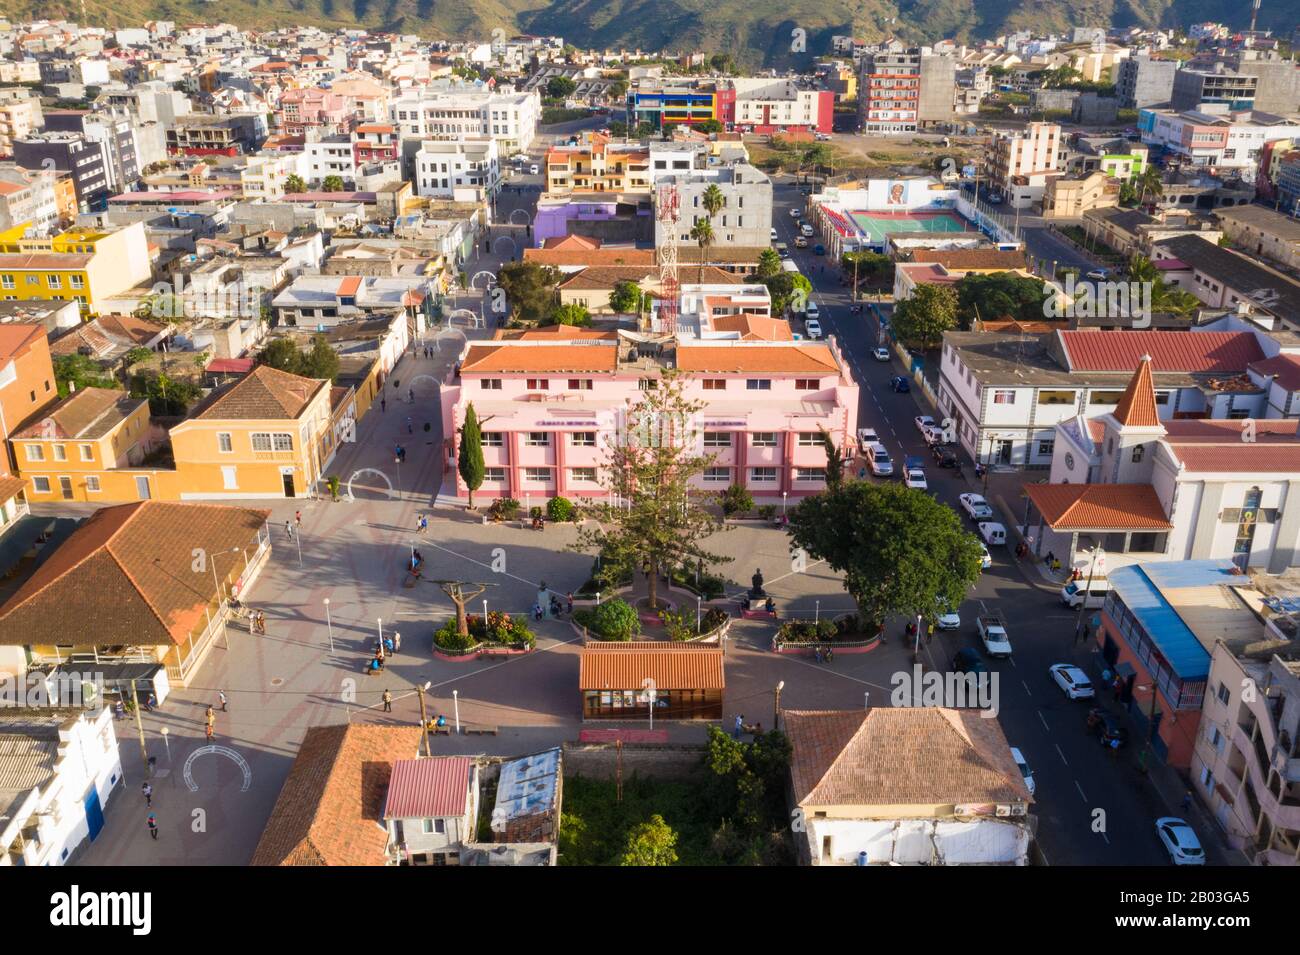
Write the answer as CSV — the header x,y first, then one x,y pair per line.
x,y
1061,754
1044,721
1082,795
1028,691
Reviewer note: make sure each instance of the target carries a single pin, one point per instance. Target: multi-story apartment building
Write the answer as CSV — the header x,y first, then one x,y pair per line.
x,y
20,116
26,381
680,102
28,197
745,220
1215,90
374,143
324,156
87,163
465,170
115,130
598,166
903,90
201,134
1021,162
1221,143
557,396
770,105
509,118
1144,81
1277,87
313,108
84,265
264,175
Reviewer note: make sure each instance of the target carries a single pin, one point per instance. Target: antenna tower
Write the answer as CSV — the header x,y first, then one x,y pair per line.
x,y
667,211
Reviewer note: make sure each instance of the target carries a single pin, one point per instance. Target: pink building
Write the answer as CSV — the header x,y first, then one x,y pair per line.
x,y
313,108
556,397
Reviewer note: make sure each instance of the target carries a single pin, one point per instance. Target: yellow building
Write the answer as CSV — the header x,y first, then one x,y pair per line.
x,y
85,265
267,435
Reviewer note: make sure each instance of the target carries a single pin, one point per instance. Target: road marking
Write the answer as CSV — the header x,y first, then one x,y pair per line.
x,y
1028,691
1061,754
1044,721
1081,792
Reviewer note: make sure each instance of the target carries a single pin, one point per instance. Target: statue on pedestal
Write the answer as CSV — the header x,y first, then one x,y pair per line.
x,y
756,591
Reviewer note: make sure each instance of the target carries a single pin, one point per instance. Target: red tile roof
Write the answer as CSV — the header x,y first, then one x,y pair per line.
x,y
264,393
1242,458
1067,507
777,359
557,358
17,337
755,327
1229,430
349,285
672,666
1174,351
1137,406
225,366
429,788
1285,369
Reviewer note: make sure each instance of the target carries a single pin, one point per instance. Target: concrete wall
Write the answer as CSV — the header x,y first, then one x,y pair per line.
x,y
600,760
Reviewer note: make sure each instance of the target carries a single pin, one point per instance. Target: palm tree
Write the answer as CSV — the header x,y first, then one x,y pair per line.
x,y
1149,182
702,233
713,202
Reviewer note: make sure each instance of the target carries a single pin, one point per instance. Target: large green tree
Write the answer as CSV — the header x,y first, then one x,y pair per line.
x,y
769,264
625,297
651,843
469,460
920,321
530,288
319,361
558,87
332,184
656,518
571,313
1000,295
900,551
79,372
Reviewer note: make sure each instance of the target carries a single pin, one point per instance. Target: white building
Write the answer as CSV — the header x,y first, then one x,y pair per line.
x,y
55,778
509,118
330,156
1224,143
1021,162
466,170
264,175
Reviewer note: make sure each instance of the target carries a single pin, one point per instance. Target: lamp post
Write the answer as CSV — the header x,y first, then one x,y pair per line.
x,y
784,495
817,611
166,745
455,702
221,594
698,617
776,711
329,623
1097,562
1144,762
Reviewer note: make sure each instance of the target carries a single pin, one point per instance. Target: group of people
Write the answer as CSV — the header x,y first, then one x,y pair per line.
x,y
823,656
556,607
384,649
399,452
421,523
747,602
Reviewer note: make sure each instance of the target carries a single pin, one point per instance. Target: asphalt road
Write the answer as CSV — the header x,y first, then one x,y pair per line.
x,y
1092,807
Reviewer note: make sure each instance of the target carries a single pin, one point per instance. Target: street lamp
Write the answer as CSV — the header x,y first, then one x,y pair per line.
x,y
329,623
166,745
1098,562
784,495
455,702
1145,759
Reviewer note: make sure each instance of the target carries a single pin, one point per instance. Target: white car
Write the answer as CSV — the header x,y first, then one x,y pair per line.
x,y
878,457
813,328
994,534
881,354
1023,766
932,435
915,477
1180,841
986,559
976,508
806,231
867,437
774,235
534,169
1074,683
948,619
812,311
795,213
923,421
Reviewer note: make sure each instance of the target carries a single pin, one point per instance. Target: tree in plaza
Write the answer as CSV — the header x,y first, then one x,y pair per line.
x,y
655,519
702,233
769,264
920,321
469,460
460,593
530,289
651,843
900,551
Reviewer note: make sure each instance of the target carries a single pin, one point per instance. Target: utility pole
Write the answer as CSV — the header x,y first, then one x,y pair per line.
x,y
139,725
1097,555
424,721
776,711
618,770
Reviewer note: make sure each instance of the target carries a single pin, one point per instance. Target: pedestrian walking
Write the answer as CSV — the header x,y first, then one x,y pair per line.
x,y
740,725
221,697
147,791
288,529
209,732
297,519
383,405
410,428
210,715
119,710
152,823
1187,800
150,702
397,642
410,395
388,701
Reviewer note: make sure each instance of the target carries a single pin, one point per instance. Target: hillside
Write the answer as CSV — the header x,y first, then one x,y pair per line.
x,y
754,31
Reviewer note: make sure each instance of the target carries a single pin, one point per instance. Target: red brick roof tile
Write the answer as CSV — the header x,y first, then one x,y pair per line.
x,y
1137,406
1099,506
672,666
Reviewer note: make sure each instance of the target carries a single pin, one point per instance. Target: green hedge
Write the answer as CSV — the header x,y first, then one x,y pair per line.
x,y
612,620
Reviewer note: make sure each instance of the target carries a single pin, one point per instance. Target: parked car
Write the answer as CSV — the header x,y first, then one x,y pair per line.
x,y
880,354
813,328
800,242
819,249
881,464
995,198
944,456
948,619
915,478
1074,683
967,660
933,435
795,213
994,534
806,230
867,437
1106,727
976,508
992,630
1023,766
900,384
1180,841
774,235
986,559
1099,275
923,421
811,310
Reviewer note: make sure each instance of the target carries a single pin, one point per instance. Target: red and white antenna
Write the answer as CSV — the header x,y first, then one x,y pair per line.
x,y
667,211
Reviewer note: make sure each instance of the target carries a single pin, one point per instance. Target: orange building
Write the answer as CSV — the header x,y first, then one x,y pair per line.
x,y
26,380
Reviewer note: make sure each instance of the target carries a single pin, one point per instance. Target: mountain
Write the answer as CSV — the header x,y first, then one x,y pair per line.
x,y
753,31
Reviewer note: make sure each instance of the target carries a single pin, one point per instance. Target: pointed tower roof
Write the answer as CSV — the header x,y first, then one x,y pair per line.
x,y
1137,408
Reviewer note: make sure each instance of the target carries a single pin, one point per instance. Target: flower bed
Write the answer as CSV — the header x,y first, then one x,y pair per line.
x,y
844,634
680,624
500,629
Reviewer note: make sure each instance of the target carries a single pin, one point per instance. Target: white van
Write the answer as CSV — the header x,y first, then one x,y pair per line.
x,y
1073,593
994,534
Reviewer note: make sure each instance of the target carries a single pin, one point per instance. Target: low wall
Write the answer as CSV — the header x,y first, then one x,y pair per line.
x,y
600,760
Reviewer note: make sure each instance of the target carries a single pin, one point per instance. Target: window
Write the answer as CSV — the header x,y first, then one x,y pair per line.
x,y
1004,397
224,444
809,439
228,478
583,475
92,483
810,474
272,442
54,281
1223,694
538,439
806,384
7,281
490,384
648,384
1046,447
35,452
1137,453
1106,397
538,384
762,475
60,453
717,439
494,474
76,281
584,439
87,452
580,384
540,475
763,439
717,475
41,485
493,439
715,384
758,384
1050,397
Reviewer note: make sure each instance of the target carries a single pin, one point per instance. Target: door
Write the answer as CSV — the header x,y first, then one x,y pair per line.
x,y
65,488
142,488
94,813
1002,451
288,484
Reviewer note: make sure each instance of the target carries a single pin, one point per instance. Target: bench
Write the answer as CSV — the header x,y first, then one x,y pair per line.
x,y
441,730
480,730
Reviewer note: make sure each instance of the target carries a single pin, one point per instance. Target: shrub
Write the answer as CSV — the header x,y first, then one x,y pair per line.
x,y
709,587
504,509
713,619
559,509
448,638
535,512
809,631
767,512
500,628
678,624
737,500
613,620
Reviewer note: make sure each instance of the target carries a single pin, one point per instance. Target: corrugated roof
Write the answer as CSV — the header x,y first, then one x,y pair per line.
x,y
672,666
428,788
1170,351
1099,506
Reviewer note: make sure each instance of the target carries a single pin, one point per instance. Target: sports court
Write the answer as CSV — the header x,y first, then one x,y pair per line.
x,y
876,225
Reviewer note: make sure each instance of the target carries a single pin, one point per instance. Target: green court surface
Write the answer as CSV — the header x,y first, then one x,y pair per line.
x,y
878,226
